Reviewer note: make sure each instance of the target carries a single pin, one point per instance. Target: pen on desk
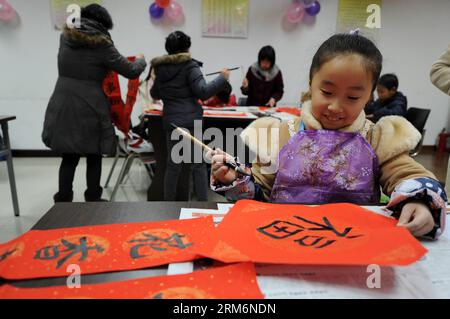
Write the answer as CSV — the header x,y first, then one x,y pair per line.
x,y
234,165
232,69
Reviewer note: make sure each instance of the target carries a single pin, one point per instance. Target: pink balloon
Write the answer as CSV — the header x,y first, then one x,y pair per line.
x,y
174,11
7,12
295,12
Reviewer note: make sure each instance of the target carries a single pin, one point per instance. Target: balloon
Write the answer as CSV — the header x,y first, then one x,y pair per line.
x,y
156,12
313,9
162,3
295,12
175,11
7,12
307,3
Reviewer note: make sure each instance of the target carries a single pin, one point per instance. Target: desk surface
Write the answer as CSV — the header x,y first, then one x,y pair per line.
x,y
65,215
427,276
6,118
234,113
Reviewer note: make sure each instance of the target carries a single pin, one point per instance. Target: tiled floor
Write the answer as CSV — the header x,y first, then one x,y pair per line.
x,y
37,180
434,161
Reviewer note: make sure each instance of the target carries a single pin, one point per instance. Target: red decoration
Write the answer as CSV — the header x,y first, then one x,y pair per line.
x,y
334,234
104,248
120,111
230,282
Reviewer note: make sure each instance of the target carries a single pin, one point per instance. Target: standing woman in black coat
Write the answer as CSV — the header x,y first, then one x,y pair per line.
x,y
77,121
180,84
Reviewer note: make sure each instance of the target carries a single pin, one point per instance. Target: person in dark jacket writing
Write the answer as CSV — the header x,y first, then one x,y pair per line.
x,y
179,83
77,120
263,83
390,100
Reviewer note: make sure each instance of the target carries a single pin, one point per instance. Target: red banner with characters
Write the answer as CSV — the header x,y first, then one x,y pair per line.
x,y
230,282
120,111
333,234
103,248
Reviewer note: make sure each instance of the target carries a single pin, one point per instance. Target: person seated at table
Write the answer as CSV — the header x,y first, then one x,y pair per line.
x,y
332,153
390,100
222,98
263,83
179,83
144,98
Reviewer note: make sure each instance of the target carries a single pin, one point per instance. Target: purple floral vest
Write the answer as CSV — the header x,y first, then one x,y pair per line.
x,y
321,166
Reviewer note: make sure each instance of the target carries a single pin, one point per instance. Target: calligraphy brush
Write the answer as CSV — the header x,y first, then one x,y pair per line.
x,y
233,69
234,165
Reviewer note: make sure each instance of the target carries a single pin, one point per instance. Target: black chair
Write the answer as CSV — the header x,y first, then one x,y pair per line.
x,y
242,101
418,117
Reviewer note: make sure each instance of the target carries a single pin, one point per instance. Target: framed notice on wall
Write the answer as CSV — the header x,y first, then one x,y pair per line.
x,y
360,14
58,10
225,18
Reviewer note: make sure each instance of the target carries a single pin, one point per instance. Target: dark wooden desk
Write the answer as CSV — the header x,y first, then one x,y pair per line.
x,y
66,215
158,139
9,162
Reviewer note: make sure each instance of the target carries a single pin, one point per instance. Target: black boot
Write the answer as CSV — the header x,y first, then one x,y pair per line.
x,y
63,198
94,196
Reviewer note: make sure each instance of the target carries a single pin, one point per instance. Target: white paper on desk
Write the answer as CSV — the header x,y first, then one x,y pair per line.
x,y
427,278
224,208
189,213
310,282
436,265
283,116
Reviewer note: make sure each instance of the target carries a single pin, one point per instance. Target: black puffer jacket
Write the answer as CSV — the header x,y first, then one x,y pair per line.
x,y
78,119
180,84
396,105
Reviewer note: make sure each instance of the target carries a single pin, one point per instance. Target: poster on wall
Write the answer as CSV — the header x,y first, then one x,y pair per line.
x,y
58,10
225,18
364,15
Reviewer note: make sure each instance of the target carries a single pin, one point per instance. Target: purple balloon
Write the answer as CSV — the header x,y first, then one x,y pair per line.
x,y
313,9
156,12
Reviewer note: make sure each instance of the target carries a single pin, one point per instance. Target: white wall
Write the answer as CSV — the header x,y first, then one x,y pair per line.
x,y
414,33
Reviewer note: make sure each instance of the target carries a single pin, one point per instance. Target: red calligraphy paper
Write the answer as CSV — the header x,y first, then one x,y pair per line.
x,y
230,282
334,234
291,110
103,248
225,114
120,111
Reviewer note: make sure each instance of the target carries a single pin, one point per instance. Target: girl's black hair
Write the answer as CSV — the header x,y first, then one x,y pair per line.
x,y
178,42
342,44
97,13
389,81
224,95
267,53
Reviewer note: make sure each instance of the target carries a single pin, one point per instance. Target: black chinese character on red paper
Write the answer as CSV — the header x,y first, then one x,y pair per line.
x,y
157,243
54,252
283,229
